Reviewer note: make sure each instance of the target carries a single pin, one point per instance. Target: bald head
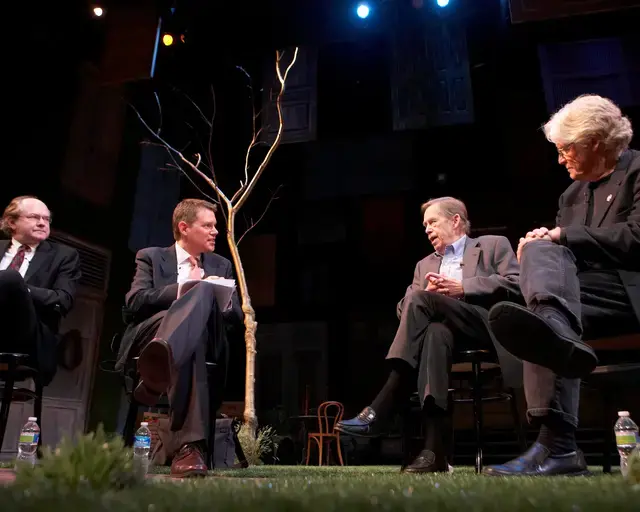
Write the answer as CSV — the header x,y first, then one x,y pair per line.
x,y
27,219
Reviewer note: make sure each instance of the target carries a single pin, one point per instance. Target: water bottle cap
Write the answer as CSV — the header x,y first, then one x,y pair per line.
x,y
144,424
33,418
624,414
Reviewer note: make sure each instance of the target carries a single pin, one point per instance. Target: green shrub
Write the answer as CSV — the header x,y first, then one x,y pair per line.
x,y
93,461
255,448
634,466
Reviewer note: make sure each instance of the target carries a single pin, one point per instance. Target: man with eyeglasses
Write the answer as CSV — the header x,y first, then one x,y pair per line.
x,y
38,281
172,331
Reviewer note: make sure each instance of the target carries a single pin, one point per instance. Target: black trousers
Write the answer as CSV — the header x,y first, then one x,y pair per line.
x,y
194,329
430,326
23,331
594,301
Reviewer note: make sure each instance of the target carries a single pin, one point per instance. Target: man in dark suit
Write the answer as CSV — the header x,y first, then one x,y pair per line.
x,y
580,280
174,333
445,307
38,282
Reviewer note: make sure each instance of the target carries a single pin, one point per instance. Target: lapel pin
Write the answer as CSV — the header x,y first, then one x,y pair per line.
x,y
609,197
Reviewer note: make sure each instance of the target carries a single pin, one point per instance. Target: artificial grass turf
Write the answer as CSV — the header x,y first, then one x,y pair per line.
x,y
285,488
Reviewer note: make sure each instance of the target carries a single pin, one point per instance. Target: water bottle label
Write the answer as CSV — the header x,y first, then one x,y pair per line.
x,y
29,437
143,442
625,438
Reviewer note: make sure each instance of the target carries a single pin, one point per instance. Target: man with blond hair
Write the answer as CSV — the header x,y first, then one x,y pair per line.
x,y
444,308
173,334
580,279
38,280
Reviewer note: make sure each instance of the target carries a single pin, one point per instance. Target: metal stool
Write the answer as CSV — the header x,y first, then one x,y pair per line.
x,y
607,379
13,369
476,373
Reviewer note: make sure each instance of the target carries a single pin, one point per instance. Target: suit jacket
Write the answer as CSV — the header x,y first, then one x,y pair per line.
x,y
52,277
612,242
490,274
155,287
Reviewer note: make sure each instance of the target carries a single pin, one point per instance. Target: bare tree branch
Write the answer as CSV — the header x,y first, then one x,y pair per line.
x,y
231,207
254,224
276,142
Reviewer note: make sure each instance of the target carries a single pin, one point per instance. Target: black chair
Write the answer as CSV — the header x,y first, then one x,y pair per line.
x,y
608,379
13,368
480,366
477,367
131,371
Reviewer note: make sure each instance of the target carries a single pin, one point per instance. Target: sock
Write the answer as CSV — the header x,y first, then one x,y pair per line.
x,y
559,437
434,421
394,392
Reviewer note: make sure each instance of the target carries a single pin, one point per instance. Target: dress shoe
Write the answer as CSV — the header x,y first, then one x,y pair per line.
x,y
363,425
145,396
428,462
537,461
155,368
188,462
548,340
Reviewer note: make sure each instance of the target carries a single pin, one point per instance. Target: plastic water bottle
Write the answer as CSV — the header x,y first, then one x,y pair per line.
x,y
141,448
626,439
28,442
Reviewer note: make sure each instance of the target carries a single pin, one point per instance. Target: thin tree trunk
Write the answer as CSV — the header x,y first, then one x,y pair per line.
x,y
250,325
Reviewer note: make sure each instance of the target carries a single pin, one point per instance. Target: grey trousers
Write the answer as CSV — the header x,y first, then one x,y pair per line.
x,y
429,326
594,301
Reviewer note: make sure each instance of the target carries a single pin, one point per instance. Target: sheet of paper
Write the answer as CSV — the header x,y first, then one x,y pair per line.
x,y
223,288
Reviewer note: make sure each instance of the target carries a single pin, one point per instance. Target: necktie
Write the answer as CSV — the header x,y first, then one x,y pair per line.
x,y
195,272
17,260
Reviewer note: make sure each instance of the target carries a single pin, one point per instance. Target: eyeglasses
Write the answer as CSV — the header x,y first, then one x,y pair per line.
x,y
36,217
564,150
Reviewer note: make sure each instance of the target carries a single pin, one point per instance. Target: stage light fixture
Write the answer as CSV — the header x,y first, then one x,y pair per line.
x,y
98,11
167,39
442,3
363,10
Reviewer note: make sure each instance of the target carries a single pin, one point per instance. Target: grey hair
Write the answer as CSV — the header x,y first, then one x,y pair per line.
x,y
587,116
450,206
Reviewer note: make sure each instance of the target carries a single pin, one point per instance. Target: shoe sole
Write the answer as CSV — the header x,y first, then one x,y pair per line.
x,y
190,474
355,434
154,367
585,472
530,338
145,396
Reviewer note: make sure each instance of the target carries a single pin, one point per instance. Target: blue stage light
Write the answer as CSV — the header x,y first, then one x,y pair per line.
x,y
363,10
442,3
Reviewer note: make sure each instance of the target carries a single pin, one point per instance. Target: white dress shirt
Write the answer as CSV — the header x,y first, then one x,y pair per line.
x,y
451,265
184,265
11,252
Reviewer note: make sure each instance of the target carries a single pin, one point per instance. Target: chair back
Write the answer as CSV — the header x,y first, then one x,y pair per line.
x,y
326,424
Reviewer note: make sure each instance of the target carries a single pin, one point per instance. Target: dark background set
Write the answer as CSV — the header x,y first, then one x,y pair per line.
x,y
410,104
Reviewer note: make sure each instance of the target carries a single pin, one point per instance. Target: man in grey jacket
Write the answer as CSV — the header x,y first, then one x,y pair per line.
x,y
445,307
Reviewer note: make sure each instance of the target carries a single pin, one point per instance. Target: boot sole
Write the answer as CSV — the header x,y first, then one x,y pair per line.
x,y
530,338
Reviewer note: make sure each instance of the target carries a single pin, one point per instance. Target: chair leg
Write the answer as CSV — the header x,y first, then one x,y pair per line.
x,y
339,450
609,437
132,413
517,422
320,445
7,396
477,413
37,412
211,441
308,450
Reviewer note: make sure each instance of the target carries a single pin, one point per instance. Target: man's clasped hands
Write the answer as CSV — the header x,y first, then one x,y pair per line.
x,y
453,287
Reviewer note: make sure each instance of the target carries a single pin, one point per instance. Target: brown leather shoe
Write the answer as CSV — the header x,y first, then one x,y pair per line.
x,y
155,367
188,462
427,462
